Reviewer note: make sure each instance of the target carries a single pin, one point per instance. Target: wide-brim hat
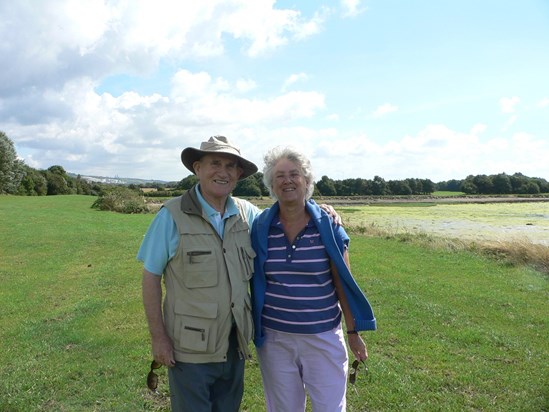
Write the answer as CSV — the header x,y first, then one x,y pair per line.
x,y
217,145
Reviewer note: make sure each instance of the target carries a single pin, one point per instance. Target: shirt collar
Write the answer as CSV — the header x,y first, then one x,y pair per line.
x,y
277,223
230,206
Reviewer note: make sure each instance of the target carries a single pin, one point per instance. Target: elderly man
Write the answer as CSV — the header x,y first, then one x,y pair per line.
x,y
200,242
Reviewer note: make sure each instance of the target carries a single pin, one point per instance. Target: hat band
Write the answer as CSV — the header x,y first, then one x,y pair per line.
x,y
216,147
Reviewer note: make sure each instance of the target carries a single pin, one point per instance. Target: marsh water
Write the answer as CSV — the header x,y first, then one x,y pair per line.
x,y
489,221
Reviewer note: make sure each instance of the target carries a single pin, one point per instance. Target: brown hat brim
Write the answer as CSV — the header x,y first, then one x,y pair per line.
x,y
191,155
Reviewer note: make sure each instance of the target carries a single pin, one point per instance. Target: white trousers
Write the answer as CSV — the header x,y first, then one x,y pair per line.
x,y
294,364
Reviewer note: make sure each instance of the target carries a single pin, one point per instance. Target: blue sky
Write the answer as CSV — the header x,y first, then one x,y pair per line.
x,y
398,89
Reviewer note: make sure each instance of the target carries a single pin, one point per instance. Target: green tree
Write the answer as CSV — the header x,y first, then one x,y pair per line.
x,y
33,183
399,187
532,188
450,186
379,186
187,182
364,187
502,184
247,187
357,186
258,177
427,186
484,184
542,183
326,186
468,186
414,185
519,183
11,169
57,181
83,187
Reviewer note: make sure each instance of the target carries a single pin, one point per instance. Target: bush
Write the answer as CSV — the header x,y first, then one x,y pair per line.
x,y
164,193
121,200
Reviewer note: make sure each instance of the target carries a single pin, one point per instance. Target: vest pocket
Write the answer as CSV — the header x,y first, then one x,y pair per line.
x,y
200,269
247,255
194,329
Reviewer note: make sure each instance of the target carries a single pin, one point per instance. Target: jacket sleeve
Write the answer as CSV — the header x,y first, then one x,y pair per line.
x,y
360,307
257,284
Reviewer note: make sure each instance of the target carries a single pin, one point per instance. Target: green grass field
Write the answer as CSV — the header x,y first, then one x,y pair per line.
x,y
456,331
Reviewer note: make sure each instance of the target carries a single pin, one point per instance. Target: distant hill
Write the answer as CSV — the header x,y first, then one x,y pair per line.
x,y
118,180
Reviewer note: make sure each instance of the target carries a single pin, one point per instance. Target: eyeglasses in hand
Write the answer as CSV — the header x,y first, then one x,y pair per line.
x,y
152,378
354,369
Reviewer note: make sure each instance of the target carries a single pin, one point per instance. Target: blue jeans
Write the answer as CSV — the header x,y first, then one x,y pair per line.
x,y
208,387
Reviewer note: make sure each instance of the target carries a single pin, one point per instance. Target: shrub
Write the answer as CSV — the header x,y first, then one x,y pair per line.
x,y
122,200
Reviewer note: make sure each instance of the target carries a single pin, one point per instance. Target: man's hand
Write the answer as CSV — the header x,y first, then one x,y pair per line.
x,y
332,213
162,350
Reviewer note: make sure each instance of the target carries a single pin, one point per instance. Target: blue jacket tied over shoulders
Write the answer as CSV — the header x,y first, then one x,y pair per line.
x,y
360,307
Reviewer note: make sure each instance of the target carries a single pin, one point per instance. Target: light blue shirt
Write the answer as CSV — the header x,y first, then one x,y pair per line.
x,y
217,221
161,241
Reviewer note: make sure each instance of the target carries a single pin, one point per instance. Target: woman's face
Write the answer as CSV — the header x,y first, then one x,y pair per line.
x,y
289,184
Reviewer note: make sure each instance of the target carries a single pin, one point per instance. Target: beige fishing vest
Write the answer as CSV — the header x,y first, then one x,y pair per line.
x,y
207,284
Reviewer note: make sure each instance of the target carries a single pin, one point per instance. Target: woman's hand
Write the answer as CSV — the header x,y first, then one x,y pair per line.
x,y
358,347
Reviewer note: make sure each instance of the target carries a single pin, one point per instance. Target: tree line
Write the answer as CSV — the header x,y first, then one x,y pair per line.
x,y
20,179
17,178
499,184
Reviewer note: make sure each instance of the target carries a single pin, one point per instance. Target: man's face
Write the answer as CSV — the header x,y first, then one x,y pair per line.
x,y
218,175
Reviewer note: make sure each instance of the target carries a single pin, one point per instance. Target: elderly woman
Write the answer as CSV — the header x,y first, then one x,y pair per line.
x,y
302,283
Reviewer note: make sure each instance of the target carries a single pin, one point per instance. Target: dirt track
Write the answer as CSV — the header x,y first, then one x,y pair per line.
x,y
431,199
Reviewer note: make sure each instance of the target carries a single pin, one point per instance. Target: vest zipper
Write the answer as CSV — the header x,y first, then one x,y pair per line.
x,y
202,331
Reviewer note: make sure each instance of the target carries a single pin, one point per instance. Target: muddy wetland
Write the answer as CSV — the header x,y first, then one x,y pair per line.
x,y
524,221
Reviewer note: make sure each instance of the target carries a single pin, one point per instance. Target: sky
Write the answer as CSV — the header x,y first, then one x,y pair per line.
x,y
424,89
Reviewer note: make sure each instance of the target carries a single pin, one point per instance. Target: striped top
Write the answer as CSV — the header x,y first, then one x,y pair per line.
x,y
300,294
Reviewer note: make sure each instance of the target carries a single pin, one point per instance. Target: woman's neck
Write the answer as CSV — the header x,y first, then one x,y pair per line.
x,y
292,213
293,218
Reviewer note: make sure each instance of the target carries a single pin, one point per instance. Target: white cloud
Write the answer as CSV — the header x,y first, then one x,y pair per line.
x,y
200,99
245,85
544,102
351,8
510,121
507,104
478,129
436,152
264,27
384,109
141,132
68,39
294,78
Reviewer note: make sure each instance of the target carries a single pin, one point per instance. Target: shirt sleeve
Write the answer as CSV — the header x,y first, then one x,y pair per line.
x,y
159,243
252,211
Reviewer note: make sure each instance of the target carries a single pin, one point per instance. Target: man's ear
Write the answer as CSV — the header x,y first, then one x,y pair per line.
x,y
196,167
